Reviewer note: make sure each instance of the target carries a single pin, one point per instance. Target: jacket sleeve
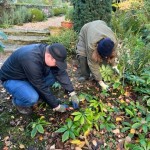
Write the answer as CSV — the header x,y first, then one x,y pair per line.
x,y
63,78
95,69
34,74
81,45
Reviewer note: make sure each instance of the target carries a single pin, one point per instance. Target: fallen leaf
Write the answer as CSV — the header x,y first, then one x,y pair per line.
x,y
40,138
127,100
78,148
42,117
87,133
52,147
132,131
21,146
128,139
122,101
51,119
127,94
78,143
120,145
118,119
12,117
94,142
116,131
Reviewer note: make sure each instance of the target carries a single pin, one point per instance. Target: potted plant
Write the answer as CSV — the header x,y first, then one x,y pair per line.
x,y
68,23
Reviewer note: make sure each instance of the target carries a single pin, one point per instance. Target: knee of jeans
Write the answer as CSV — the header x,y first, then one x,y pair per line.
x,y
34,98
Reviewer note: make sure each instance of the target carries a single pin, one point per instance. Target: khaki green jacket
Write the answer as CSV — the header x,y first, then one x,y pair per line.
x,y
90,34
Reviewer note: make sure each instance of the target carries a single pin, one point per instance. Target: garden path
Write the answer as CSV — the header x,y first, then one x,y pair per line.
x,y
51,22
36,27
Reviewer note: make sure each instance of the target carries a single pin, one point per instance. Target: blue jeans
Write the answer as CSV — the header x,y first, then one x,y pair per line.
x,y
23,92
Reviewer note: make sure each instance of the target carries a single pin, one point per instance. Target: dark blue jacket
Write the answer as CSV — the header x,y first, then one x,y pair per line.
x,y
28,63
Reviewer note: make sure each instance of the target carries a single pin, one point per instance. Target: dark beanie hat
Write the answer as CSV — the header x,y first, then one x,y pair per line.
x,y
59,53
105,47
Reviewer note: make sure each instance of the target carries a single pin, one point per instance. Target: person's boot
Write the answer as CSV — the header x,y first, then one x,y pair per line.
x,y
23,110
82,79
84,69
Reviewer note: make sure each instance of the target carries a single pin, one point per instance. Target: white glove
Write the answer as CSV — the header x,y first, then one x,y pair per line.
x,y
61,108
116,70
103,85
74,99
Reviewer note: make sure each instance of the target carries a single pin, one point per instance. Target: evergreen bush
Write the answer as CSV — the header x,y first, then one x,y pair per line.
x,y
90,10
68,38
69,14
37,15
59,11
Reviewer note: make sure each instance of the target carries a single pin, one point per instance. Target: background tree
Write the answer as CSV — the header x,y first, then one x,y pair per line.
x,y
89,10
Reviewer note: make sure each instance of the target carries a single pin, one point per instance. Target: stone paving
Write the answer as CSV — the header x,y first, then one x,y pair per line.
x,y
38,27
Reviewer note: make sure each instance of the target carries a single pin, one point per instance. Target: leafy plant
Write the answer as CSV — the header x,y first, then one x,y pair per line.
x,y
118,85
37,126
88,97
67,38
107,124
36,15
83,117
68,130
144,144
69,14
143,123
141,83
106,72
3,35
59,11
56,85
105,93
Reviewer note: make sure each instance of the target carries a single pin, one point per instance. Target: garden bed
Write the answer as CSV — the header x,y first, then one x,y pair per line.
x,y
16,129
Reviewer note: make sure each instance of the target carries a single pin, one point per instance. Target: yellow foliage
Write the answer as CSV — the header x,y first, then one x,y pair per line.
x,y
42,117
87,133
40,138
132,131
128,4
118,119
78,143
122,101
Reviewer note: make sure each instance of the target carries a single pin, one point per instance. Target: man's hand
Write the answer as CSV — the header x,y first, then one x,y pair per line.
x,y
103,85
74,100
61,108
116,70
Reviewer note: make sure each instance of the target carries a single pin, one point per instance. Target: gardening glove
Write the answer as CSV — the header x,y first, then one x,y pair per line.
x,y
116,70
103,85
61,108
74,100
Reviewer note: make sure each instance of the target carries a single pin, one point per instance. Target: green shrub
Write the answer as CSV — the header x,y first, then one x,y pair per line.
x,y
16,16
59,11
3,35
117,23
67,38
37,15
134,21
69,14
56,2
35,2
6,19
89,10
21,15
